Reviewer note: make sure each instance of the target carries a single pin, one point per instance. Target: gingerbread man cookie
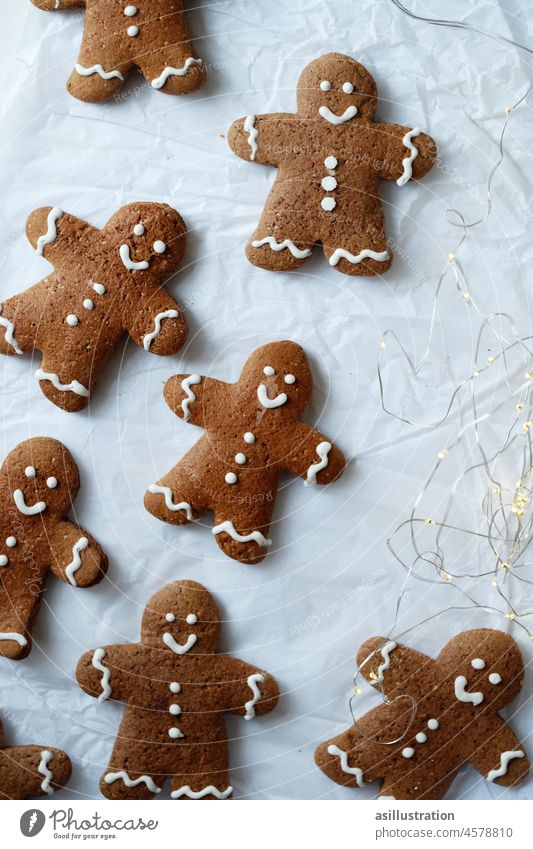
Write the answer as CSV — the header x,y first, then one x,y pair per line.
x,y
442,713
330,157
27,771
118,36
39,481
177,690
253,432
105,283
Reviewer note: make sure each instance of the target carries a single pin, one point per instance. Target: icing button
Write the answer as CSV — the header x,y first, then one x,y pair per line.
x,y
4,560
174,687
231,478
132,31
11,542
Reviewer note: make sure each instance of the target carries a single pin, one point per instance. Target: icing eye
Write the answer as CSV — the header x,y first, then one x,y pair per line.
x,y
30,472
347,88
192,619
477,663
139,230
325,85
51,483
159,247
495,678
170,617
289,378
269,371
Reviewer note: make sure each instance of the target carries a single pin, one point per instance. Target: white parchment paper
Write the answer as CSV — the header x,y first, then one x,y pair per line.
x,y
329,581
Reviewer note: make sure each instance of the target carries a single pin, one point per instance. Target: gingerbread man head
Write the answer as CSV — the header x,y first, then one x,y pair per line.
x,y
337,88
39,477
183,617
277,376
140,238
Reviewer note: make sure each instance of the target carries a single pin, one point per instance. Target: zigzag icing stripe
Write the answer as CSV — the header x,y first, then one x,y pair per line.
x,y
408,161
122,775
299,253
75,563
51,233
207,791
252,682
355,259
505,757
253,133
10,332
149,338
46,757
97,69
349,770
169,71
229,528
167,492
74,386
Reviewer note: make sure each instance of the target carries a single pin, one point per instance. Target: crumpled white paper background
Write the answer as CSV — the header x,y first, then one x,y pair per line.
x,y
329,581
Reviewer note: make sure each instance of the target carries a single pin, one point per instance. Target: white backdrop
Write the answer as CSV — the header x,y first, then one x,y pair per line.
x,y
329,581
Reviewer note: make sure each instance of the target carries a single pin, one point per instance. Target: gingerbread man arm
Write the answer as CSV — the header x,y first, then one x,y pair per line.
x,y
262,138
313,457
159,325
408,153
57,235
393,668
248,691
76,557
58,5
496,753
109,672
193,397
27,771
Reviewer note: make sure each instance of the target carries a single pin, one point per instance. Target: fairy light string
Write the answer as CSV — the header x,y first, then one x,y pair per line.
x,y
503,466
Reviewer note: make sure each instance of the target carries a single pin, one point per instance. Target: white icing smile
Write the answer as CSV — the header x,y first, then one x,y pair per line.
x,y
326,113
179,648
22,507
129,263
270,403
461,694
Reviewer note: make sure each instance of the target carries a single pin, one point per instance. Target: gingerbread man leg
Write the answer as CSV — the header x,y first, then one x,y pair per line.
x,y
174,69
32,771
122,781
353,235
178,497
94,78
67,389
242,531
207,777
285,235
